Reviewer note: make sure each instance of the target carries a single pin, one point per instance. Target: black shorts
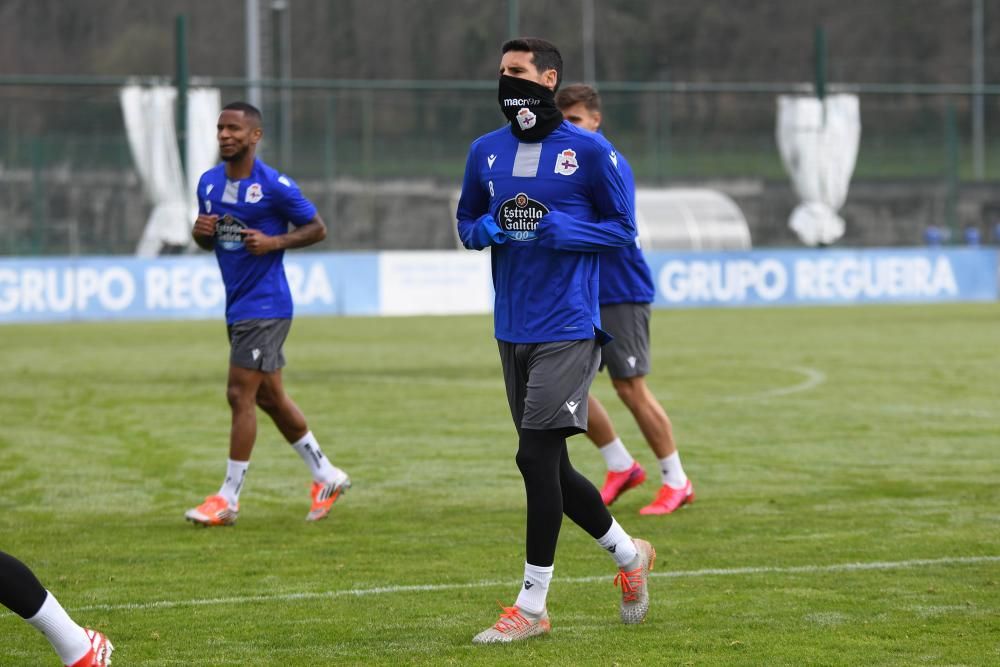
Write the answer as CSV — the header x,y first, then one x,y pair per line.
x,y
257,344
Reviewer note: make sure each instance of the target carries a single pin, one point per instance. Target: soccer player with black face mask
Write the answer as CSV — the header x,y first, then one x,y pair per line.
x,y
546,197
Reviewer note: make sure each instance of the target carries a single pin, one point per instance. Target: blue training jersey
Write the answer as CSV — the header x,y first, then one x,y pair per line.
x,y
554,204
256,287
625,275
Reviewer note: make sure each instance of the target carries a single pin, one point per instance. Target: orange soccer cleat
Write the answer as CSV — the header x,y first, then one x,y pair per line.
x,y
325,495
633,580
215,511
514,625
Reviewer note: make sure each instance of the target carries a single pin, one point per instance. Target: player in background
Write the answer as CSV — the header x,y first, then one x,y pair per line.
x,y
626,292
23,594
545,196
245,208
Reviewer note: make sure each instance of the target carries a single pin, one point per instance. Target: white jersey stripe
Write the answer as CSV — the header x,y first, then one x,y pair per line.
x,y
231,194
526,160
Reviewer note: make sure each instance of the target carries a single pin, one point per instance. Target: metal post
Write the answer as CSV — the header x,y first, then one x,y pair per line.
x,y
282,40
951,170
820,62
253,52
38,199
978,99
589,60
330,139
513,19
182,75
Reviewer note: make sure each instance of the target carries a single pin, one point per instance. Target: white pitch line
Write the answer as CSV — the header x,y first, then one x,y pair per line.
x,y
814,378
424,588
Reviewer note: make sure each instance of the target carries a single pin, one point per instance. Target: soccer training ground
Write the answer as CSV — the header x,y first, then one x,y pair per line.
x,y
846,463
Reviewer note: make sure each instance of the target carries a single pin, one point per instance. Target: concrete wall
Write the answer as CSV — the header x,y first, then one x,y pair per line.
x,y
104,213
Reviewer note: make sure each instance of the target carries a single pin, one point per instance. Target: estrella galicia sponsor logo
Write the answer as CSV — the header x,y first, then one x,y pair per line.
x,y
229,232
519,217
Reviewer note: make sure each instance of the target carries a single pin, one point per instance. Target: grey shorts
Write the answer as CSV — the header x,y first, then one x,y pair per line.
x,y
257,344
547,383
627,355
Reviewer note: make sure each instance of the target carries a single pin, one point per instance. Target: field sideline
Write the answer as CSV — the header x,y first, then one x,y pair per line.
x,y
845,462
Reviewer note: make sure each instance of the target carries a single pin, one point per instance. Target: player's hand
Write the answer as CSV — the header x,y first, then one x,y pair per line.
x,y
204,226
553,229
259,243
485,232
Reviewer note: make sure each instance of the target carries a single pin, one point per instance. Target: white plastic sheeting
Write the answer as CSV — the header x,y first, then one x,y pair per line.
x,y
689,219
149,124
818,141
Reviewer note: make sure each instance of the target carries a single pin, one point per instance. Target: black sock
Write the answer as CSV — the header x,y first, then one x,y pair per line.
x,y
20,590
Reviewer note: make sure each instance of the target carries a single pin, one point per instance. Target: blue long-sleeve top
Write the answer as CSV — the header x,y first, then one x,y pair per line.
x,y
625,275
546,209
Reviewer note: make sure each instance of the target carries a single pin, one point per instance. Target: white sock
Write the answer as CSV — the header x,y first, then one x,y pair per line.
x,y
67,638
320,467
236,472
616,456
535,588
673,471
618,543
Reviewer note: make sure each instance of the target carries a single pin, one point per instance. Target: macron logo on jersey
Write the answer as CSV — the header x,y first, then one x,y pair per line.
x,y
490,160
614,159
284,181
572,406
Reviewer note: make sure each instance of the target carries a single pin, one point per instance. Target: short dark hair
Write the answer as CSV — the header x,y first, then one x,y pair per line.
x,y
544,54
577,93
249,110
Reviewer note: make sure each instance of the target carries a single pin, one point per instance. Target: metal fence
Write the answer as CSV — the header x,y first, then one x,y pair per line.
x,y
63,145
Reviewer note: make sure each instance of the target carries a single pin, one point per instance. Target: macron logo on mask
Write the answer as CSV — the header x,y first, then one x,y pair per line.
x,y
521,102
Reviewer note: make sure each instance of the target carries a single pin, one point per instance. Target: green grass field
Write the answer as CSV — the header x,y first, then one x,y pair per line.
x,y
845,462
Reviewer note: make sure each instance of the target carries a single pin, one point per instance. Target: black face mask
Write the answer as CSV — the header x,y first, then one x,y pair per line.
x,y
530,107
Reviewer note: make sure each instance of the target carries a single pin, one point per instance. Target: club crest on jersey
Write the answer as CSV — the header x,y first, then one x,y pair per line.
x,y
566,163
518,217
229,232
254,194
526,119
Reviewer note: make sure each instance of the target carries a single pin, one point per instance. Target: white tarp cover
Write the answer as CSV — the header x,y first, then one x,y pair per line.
x,y
818,141
149,124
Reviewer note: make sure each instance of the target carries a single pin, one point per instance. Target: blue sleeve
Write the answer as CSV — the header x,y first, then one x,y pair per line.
x,y
476,227
199,194
615,225
292,204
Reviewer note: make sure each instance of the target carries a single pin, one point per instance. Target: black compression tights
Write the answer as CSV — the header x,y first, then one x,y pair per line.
x,y
554,487
20,590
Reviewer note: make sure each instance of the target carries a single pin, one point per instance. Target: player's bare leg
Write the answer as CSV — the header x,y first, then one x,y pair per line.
x,y
649,414
279,406
658,431
329,481
222,509
241,392
624,472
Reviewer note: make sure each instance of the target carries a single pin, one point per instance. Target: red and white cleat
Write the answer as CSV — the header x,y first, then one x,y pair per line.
x,y
617,483
669,499
99,654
